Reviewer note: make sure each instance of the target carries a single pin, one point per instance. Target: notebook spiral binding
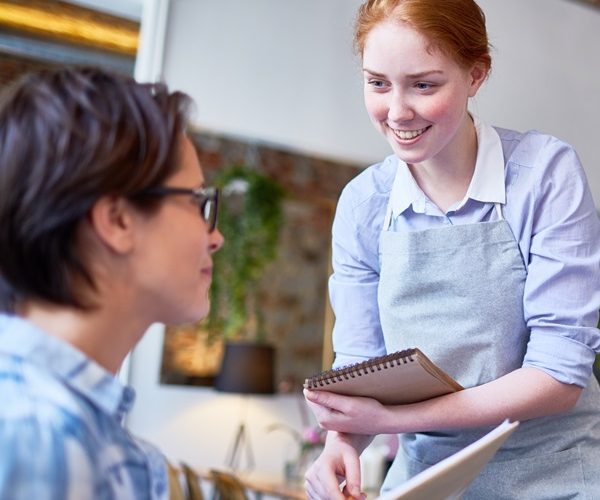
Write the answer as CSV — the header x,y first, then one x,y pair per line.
x,y
358,370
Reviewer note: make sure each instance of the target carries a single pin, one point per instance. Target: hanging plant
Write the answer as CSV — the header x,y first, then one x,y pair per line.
x,y
250,219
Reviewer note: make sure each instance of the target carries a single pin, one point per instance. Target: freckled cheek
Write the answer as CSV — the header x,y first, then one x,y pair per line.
x,y
377,107
435,111
444,108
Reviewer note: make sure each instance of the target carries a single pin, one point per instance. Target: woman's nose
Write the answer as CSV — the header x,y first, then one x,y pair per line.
x,y
215,240
400,109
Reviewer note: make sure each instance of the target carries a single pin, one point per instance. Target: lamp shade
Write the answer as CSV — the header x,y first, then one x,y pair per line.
x,y
247,368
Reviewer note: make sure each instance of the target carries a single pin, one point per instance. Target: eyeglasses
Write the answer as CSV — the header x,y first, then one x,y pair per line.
x,y
207,199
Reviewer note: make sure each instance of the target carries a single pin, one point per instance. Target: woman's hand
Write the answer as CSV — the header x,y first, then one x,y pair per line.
x,y
523,394
349,414
337,463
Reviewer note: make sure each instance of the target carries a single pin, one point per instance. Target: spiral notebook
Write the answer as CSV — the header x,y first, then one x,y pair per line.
x,y
401,377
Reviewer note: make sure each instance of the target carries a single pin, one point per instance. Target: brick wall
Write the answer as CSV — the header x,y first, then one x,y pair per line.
x,y
293,292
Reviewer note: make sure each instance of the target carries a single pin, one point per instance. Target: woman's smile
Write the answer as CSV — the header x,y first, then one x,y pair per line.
x,y
408,135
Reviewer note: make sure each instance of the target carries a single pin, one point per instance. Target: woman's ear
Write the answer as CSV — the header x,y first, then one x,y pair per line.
x,y
477,75
112,221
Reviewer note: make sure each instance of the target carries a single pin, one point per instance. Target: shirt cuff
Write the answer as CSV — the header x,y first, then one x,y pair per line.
x,y
563,358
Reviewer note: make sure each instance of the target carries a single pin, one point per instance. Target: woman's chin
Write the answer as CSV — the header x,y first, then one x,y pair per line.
x,y
190,315
200,313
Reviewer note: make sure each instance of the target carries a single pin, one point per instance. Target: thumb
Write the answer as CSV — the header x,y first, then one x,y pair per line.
x,y
317,397
324,398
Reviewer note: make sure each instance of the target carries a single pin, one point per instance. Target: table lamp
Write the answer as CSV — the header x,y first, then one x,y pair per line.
x,y
247,368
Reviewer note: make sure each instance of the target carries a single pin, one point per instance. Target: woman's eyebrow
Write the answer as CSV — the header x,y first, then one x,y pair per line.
x,y
423,74
420,74
373,73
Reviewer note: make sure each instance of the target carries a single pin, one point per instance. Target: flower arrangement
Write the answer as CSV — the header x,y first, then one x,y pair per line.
x,y
312,437
309,439
310,444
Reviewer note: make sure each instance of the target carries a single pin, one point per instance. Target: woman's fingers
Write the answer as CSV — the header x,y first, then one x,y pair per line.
x,y
323,478
322,482
352,470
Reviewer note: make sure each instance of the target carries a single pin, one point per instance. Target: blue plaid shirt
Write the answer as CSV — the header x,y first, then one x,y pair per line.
x,y
61,433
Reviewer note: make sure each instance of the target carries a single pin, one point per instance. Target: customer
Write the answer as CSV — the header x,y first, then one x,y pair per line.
x,y
105,228
480,246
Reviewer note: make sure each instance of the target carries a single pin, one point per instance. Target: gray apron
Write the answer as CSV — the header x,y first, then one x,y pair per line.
x,y
456,292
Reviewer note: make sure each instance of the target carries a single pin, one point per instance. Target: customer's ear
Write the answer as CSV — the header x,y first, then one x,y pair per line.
x,y
112,221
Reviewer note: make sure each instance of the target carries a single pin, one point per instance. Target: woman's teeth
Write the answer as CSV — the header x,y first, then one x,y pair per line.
x,y
408,134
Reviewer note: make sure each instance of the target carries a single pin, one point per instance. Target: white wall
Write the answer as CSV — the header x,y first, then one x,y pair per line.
x,y
283,71
131,9
546,73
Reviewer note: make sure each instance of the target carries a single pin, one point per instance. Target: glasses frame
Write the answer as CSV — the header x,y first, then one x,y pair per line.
x,y
207,198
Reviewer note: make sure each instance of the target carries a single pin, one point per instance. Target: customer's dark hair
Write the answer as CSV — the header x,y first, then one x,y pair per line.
x,y
67,138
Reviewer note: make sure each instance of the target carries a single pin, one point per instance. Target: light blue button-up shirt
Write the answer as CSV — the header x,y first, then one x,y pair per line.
x,y
541,187
61,433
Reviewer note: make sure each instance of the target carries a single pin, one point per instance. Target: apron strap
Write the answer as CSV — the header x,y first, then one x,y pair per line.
x,y
387,220
498,207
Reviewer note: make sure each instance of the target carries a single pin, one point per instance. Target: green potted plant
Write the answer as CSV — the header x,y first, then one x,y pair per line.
x,y
250,219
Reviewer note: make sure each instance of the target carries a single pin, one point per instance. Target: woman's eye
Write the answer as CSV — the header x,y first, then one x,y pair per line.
x,y
423,86
378,84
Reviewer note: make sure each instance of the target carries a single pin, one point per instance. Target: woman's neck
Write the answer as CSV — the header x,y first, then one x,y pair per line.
x,y
445,179
99,333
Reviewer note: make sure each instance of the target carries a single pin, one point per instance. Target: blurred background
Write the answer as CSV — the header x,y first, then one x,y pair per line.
x,y
278,93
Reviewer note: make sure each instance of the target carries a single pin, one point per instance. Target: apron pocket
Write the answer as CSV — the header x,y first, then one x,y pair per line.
x,y
554,476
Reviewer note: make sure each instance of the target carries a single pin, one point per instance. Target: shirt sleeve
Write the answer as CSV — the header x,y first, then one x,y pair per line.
x,y
562,289
40,462
357,332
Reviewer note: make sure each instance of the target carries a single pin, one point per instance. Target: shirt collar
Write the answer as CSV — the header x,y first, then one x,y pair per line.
x,y
487,184
22,339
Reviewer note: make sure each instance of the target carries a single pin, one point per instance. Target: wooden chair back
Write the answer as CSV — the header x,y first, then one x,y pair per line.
x,y
175,489
192,481
227,486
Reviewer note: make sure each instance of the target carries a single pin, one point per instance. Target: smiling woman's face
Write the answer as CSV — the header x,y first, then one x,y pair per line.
x,y
415,95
